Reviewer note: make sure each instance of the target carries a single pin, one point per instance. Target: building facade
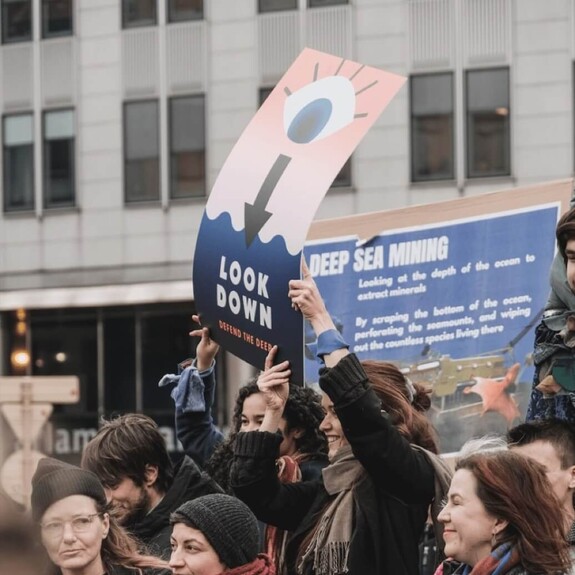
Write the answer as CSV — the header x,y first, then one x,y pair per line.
x,y
118,114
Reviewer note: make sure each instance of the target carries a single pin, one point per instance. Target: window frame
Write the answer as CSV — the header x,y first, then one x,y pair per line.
x,y
170,174
170,14
466,126
47,35
326,4
45,141
274,10
4,19
414,179
125,105
32,207
127,25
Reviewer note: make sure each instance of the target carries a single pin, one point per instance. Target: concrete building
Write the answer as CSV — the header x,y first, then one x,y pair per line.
x,y
118,115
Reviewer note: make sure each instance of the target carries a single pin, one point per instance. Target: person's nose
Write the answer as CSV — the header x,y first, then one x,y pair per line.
x,y
68,534
443,516
176,558
325,424
251,426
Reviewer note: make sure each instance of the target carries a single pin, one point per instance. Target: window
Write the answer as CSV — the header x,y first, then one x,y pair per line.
x,y
318,3
57,18
163,339
432,150
119,343
276,5
141,151
182,10
343,179
488,131
59,159
18,133
137,13
16,21
187,147
64,342
264,93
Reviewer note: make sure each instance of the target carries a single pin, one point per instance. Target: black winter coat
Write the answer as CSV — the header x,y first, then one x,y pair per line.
x,y
391,503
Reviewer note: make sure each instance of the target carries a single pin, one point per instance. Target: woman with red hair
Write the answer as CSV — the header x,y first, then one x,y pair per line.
x,y
501,517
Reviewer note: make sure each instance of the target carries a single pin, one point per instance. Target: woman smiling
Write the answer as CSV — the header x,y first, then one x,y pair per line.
x,y
501,517
216,534
367,512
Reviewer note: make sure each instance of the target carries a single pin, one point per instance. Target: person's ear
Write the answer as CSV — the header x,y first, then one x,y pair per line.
x,y
571,477
105,525
151,474
500,525
298,432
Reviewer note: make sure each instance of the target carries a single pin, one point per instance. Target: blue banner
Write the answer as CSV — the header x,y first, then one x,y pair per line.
x,y
447,303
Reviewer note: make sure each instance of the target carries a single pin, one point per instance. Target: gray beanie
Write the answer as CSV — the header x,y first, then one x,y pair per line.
x,y
227,523
54,480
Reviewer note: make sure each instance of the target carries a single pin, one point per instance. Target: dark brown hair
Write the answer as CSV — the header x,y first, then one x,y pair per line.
x,y
123,447
515,489
303,411
120,548
560,434
406,413
565,231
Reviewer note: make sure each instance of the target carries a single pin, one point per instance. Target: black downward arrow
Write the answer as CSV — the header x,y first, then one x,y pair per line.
x,y
255,215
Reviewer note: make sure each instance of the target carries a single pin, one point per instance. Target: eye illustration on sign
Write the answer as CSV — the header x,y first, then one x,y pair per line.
x,y
259,211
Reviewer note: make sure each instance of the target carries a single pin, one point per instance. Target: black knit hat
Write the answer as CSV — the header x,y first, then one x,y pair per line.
x,y
54,480
227,523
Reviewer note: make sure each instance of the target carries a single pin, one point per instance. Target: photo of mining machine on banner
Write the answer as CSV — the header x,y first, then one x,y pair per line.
x,y
259,211
450,292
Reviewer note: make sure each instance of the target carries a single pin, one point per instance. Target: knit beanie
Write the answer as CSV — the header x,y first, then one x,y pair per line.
x,y
227,523
54,480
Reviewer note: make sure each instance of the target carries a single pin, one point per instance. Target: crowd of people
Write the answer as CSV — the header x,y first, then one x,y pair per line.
x,y
346,481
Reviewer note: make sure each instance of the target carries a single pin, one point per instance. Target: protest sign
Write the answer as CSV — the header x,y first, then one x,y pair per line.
x,y
450,292
262,204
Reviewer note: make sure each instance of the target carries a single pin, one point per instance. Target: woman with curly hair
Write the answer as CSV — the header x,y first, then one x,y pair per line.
x,y
502,517
79,534
303,447
367,513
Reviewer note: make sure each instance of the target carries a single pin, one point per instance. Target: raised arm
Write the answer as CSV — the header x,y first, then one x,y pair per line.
x,y
196,429
306,298
253,475
385,454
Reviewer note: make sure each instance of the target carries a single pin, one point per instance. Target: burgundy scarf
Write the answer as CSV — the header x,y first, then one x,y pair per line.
x,y
261,565
276,539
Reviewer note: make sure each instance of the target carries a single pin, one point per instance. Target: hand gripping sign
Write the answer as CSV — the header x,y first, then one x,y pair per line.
x,y
263,202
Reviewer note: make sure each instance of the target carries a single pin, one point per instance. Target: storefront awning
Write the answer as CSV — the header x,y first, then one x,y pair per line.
x,y
94,296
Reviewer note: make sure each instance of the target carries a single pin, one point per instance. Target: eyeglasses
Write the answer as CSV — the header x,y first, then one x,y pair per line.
x,y
79,524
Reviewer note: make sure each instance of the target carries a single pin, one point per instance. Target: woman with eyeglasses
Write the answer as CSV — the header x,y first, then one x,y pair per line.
x,y
77,532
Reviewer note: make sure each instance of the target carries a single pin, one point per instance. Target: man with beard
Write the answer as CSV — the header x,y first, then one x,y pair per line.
x,y
129,456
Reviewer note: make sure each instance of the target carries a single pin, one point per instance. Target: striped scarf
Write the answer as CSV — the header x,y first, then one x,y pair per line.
x,y
500,561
